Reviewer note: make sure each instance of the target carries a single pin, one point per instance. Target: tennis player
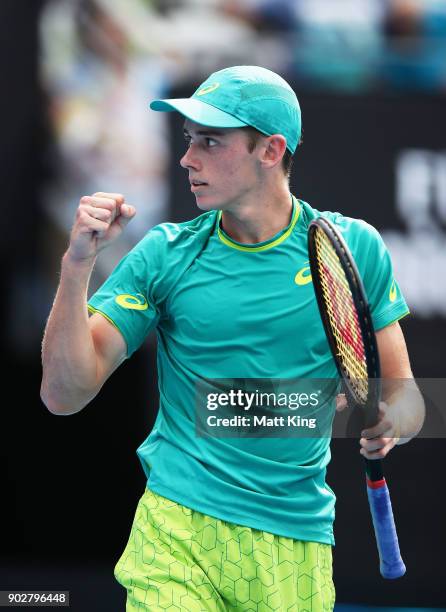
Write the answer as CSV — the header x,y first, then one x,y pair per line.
x,y
224,523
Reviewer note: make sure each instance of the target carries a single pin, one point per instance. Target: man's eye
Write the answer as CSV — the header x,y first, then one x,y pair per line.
x,y
188,142
211,142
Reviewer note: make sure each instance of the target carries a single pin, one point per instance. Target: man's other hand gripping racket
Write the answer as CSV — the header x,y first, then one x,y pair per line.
x,y
348,325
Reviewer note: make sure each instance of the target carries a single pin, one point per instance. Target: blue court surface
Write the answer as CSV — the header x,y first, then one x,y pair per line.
x,y
357,608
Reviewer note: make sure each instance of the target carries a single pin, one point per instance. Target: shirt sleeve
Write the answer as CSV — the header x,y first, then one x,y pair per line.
x,y
127,298
387,303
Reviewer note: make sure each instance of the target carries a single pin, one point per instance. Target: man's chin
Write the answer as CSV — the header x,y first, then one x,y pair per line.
x,y
206,203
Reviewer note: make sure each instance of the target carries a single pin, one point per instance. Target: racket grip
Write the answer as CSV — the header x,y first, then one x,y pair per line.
x,y
391,564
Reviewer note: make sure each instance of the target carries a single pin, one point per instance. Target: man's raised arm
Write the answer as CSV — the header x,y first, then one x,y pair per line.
x,y
79,353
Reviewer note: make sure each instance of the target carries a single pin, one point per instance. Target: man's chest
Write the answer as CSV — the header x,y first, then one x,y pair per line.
x,y
264,306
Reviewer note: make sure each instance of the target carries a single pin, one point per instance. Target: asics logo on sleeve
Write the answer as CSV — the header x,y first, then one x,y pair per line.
x,y
303,277
132,302
392,292
208,89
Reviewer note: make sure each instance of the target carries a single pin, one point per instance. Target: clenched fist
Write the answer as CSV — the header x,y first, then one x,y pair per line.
x,y
100,219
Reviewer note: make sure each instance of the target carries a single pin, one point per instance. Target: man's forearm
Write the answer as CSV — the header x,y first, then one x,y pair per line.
x,y
407,405
69,359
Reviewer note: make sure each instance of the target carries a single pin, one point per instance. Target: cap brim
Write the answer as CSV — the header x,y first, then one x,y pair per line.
x,y
199,112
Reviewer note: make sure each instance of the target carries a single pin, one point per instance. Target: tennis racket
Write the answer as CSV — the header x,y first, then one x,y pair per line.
x,y
349,329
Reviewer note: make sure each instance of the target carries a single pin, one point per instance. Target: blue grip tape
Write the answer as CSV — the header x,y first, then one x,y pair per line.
x,y
391,564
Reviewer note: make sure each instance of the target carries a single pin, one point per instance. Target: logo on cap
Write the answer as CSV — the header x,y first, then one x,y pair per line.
x,y
208,89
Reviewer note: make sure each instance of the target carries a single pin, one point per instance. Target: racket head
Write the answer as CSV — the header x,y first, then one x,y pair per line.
x,y
345,313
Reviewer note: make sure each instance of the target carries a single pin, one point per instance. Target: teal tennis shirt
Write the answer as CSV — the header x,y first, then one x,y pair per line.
x,y
227,310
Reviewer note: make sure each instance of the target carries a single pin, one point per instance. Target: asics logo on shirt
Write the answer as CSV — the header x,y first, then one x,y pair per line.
x,y
132,302
208,89
303,277
392,292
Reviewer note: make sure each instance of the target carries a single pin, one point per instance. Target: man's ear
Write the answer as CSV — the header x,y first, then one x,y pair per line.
x,y
273,150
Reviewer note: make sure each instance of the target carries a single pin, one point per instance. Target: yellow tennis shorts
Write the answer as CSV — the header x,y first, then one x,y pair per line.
x,y
179,559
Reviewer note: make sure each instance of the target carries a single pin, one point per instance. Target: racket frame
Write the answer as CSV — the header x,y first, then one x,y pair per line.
x,y
391,564
363,313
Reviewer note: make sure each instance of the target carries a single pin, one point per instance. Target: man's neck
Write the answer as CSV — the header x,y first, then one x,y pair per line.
x,y
260,218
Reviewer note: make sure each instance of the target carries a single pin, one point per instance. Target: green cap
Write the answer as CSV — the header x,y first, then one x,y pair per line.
x,y
240,96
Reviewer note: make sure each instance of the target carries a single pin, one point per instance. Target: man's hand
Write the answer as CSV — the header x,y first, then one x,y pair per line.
x,y
341,402
377,441
100,219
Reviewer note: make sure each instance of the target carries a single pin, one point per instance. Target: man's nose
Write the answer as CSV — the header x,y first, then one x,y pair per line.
x,y
190,159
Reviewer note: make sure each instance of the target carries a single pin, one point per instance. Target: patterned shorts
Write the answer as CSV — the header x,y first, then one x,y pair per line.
x,y
179,559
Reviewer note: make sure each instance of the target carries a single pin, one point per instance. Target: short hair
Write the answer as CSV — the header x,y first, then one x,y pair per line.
x,y
254,137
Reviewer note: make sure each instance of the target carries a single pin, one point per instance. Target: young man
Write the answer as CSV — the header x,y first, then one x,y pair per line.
x,y
225,523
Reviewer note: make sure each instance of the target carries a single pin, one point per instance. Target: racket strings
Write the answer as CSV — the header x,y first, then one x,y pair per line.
x,y
342,315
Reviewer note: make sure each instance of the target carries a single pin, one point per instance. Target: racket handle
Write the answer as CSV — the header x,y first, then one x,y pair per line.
x,y
391,564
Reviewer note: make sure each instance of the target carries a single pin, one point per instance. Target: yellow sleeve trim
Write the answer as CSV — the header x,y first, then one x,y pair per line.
x,y
398,318
94,310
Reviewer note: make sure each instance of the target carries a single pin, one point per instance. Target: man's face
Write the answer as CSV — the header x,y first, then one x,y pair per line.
x,y
222,170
